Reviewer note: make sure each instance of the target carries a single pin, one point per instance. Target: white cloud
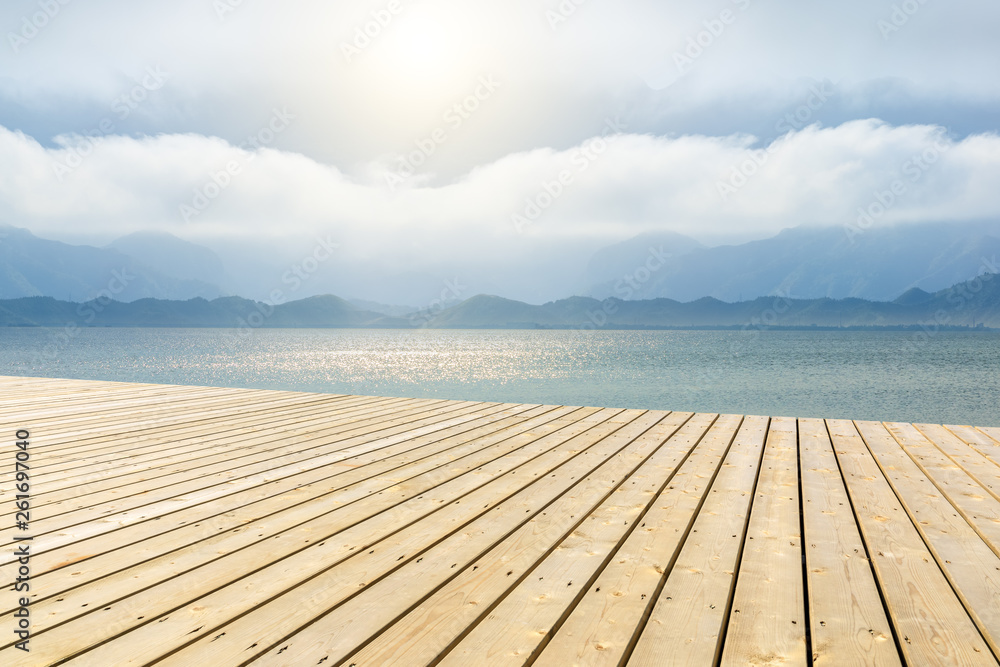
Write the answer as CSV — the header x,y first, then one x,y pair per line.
x,y
613,187
686,160
227,73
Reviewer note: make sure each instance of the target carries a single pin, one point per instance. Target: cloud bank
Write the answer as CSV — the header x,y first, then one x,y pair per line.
x,y
611,186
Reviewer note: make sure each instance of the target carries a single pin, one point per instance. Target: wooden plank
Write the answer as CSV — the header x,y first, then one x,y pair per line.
x,y
326,576
341,627
58,407
203,420
152,503
284,561
687,617
518,626
649,547
442,618
978,440
273,506
270,507
206,520
970,435
930,622
88,449
71,390
166,450
972,499
406,531
111,410
767,624
225,477
124,416
847,621
83,440
966,560
955,445
179,444
241,451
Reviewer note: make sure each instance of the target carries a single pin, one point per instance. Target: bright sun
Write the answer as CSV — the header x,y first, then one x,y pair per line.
x,y
418,50
421,44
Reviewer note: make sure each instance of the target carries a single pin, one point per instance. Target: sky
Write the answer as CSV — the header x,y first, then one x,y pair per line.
x,y
511,139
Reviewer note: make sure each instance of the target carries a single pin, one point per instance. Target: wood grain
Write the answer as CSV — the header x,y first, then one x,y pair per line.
x,y
179,525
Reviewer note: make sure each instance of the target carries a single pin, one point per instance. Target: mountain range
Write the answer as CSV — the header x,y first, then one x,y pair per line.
x,y
972,303
32,266
876,264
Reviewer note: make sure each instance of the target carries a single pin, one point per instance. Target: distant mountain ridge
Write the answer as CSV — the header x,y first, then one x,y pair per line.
x,y
172,256
32,266
223,312
973,303
878,264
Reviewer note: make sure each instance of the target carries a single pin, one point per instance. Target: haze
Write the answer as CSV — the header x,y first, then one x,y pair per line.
x,y
498,142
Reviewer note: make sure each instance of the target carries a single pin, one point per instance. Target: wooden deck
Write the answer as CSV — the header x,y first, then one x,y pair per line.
x,y
203,526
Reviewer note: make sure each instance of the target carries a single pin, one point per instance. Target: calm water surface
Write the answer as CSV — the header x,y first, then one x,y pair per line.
x,y
946,377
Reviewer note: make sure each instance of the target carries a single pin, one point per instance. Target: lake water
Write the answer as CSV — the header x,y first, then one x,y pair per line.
x,y
904,376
